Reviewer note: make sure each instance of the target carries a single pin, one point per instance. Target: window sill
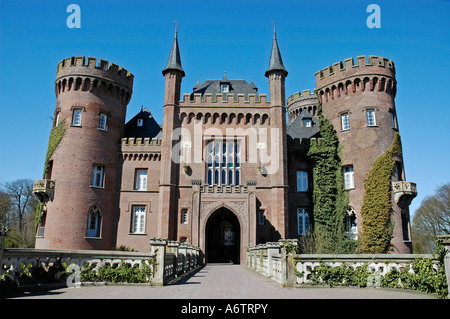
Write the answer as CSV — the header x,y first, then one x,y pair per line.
x,y
101,129
86,237
138,234
98,187
71,125
349,189
369,126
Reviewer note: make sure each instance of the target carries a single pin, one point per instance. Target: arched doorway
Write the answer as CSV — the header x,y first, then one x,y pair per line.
x,y
223,237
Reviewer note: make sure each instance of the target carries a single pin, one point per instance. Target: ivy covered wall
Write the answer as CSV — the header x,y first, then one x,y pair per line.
x,y
377,202
329,197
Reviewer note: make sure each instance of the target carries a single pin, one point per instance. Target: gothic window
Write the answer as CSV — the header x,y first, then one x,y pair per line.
x,y
97,175
352,230
303,224
94,222
302,181
349,179
223,160
138,220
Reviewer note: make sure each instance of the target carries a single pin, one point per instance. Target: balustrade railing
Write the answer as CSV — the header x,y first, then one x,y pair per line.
x,y
164,265
277,261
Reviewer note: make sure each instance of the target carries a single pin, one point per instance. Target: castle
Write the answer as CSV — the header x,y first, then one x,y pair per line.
x,y
227,168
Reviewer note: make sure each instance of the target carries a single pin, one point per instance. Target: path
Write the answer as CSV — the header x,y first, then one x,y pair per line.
x,y
222,281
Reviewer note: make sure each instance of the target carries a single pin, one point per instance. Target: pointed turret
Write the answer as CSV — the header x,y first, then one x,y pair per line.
x,y
174,62
276,62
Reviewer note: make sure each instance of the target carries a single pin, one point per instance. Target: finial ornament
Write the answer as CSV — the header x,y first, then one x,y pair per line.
x,y
176,28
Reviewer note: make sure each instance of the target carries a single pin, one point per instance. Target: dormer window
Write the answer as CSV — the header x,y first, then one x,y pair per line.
x,y
307,122
140,122
225,88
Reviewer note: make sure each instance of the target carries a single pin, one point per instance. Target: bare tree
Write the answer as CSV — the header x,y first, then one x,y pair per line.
x,y
431,219
17,209
5,206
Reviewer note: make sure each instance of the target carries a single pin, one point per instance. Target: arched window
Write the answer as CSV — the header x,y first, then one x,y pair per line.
x,y
352,229
94,222
303,224
223,162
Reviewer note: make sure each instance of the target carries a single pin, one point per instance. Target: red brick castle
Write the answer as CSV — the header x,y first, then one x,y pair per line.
x,y
224,171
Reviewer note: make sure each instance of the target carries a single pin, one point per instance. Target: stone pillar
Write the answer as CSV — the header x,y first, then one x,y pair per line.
x,y
158,247
3,235
446,242
287,261
182,253
272,249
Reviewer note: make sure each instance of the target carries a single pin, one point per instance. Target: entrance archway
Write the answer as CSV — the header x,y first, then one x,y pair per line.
x,y
223,237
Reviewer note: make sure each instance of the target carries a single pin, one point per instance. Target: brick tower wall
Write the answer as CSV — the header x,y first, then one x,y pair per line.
x,y
95,89
346,87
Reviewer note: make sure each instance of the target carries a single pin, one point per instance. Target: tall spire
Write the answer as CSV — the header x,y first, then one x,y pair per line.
x,y
174,62
276,63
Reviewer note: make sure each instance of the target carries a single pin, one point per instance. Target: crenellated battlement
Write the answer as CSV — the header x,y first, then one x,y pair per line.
x,y
132,141
227,100
77,66
145,149
347,68
304,95
299,101
341,79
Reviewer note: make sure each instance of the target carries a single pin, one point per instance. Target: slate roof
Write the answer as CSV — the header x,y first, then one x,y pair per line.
x,y
297,129
149,128
276,62
235,87
174,62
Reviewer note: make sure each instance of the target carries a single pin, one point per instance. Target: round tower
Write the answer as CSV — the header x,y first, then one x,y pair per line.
x,y
358,99
82,159
298,102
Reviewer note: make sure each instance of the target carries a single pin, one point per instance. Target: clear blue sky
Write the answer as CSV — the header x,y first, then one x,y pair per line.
x,y
217,36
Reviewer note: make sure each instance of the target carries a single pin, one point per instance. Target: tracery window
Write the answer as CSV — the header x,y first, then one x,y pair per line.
x,y
94,222
223,160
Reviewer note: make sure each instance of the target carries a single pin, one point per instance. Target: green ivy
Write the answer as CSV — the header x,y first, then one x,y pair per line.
x,y
424,278
329,198
340,276
56,135
377,203
118,273
57,272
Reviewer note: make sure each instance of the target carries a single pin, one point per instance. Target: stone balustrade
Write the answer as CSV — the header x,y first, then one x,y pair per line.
x,y
276,261
167,259
173,259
